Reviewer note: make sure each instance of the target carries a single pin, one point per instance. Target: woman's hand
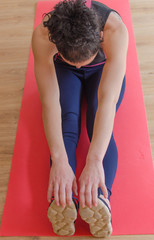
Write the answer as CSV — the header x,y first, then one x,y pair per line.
x,y
61,182
90,179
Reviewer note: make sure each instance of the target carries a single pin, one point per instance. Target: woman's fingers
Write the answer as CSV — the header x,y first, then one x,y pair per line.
x,y
50,190
56,193
82,197
94,194
62,195
68,195
88,197
104,189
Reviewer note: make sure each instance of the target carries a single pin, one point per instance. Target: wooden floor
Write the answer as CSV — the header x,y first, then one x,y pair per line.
x,y
17,19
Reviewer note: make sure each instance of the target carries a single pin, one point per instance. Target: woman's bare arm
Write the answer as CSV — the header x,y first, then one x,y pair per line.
x,y
62,179
46,79
115,46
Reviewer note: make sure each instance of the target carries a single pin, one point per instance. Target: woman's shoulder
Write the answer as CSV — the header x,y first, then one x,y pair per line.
x,y
40,38
109,17
41,31
103,12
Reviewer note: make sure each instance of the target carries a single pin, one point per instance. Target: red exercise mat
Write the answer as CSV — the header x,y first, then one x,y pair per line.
x,y
132,200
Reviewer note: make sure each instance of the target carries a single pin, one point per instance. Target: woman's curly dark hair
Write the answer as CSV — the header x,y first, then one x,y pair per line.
x,y
75,30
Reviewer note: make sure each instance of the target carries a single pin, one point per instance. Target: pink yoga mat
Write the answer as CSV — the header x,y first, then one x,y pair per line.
x,y
132,200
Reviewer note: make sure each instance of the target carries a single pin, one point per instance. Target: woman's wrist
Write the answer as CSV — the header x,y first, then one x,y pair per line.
x,y
93,159
59,157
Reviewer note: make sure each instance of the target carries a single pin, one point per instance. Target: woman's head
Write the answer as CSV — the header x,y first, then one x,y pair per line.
x,y
75,30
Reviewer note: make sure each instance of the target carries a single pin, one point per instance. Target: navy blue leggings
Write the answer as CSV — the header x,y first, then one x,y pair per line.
x,y
72,83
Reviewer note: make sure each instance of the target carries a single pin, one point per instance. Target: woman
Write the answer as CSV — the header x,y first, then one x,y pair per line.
x,y
78,48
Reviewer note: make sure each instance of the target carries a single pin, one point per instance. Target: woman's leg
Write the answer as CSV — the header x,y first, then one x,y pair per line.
x,y
111,157
70,87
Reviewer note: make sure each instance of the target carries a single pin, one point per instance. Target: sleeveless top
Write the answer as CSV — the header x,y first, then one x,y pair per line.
x,y
103,12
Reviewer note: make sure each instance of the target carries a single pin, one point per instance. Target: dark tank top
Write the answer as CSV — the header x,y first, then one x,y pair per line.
x,y
103,12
